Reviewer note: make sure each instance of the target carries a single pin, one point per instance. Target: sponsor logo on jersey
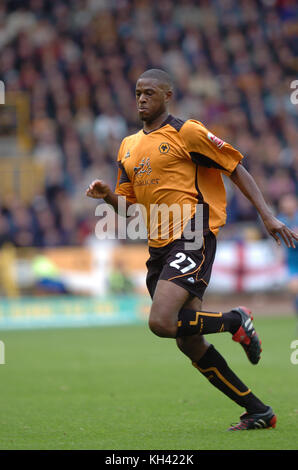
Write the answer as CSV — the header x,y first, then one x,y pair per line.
x,y
216,140
143,168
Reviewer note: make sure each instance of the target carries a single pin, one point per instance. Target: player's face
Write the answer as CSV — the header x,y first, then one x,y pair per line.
x,y
152,98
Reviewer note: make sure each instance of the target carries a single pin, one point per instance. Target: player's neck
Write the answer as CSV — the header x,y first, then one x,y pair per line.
x,y
153,125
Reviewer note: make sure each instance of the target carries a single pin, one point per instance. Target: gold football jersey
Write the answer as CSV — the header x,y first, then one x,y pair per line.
x,y
178,165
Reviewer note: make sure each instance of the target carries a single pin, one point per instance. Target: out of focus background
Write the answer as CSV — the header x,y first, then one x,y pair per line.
x,y
69,70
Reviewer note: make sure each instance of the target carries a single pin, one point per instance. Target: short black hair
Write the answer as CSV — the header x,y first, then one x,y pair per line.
x,y
160,75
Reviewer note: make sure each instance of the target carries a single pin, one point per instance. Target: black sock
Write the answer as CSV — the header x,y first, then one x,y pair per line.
x,y
215,368
232,321
191,322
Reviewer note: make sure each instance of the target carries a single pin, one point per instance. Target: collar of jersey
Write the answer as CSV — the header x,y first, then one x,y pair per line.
x,y
169,118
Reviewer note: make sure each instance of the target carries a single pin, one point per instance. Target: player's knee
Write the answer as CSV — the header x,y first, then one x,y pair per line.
x,y
161,327
193,347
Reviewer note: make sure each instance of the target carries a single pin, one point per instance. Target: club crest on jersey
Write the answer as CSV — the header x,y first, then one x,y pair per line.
x,y
164,147
127,155
144,167
216,140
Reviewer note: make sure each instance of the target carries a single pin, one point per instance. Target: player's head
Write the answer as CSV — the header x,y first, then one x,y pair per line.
x,y
154,90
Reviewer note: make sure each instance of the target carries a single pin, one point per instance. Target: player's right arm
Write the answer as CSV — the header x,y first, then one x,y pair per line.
x,y
98,189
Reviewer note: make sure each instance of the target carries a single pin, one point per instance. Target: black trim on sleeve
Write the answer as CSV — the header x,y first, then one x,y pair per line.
x,y
200,199
175,122
123,178
202,160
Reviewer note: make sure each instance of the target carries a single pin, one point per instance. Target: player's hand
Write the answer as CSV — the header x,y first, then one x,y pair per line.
x,y
280,231
98,189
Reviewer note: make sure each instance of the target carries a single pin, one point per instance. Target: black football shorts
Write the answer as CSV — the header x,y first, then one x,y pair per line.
x,y
190,269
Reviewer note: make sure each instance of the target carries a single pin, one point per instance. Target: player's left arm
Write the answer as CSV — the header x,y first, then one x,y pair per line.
x,y
248,186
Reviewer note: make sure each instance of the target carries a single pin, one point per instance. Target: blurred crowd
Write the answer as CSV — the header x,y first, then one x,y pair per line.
x,y
233,62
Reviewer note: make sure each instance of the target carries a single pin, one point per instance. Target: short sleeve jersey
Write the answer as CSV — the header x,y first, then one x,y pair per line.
x,y
180,163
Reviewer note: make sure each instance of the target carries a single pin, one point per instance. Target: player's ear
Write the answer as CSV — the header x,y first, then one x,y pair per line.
x,y
168,95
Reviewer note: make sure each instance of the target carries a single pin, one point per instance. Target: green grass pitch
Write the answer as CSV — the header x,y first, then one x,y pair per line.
x,y
123,388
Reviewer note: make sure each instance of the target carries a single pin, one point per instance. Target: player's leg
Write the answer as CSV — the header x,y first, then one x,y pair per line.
x,y
188,272
194,346
237,321
192,321
171,314
170,317
174,274
168,300
207,360
166,303
171,300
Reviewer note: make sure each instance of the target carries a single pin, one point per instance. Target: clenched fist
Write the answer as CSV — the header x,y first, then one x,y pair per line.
x,y
98,189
